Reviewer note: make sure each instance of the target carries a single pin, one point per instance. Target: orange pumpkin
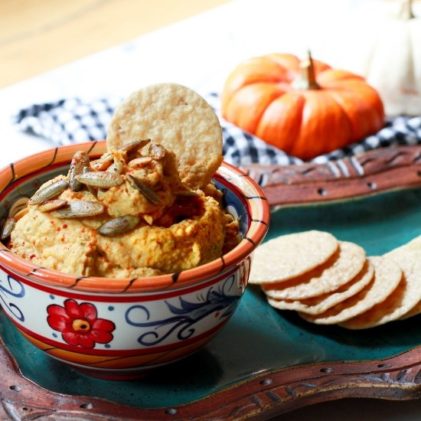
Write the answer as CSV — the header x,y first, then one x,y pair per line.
x,y
304,108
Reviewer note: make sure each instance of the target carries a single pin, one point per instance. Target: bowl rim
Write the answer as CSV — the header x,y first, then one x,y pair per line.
x,y
256,204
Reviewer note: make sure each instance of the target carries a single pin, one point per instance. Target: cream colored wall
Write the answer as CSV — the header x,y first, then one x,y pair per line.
x,y
39,35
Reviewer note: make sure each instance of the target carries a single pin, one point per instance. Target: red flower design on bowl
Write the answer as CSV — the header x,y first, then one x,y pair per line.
x,y
79,324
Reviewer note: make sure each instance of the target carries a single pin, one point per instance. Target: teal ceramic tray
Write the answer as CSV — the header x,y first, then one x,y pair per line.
x,y
264,362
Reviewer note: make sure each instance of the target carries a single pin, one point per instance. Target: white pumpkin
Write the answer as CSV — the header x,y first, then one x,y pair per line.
x,y
392,59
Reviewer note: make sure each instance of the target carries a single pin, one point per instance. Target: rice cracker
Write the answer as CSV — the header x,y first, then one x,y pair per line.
x,y
179,119
413,245
387,276
291,255
402,300
345,267
414,312
320,304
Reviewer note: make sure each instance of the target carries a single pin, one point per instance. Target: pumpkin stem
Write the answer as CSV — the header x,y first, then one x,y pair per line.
x,y
406,11
307,78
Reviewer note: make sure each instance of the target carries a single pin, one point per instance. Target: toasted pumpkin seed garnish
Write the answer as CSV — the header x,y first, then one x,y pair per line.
x,y
51,205
154,150
100,179
7,228
80,161
21,213
145,190
113,169
119,225
187,193
80,209
118,164
91,189
102,163
134,144
140,162
18,205
49,192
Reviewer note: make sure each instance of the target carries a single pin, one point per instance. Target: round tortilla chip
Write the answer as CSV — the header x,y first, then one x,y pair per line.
x,y
291,255
405,298
322,303
387,276
179,119
327,278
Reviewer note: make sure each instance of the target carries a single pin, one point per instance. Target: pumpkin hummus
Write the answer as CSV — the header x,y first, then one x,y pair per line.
x,y
126,214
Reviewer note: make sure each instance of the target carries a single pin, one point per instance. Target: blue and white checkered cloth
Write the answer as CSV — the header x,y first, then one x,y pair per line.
x,y
74,120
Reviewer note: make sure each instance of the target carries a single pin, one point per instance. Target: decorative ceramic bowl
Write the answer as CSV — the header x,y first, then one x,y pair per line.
x,y
116,328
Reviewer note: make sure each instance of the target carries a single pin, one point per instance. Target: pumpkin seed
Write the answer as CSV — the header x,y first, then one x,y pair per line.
x,y
118,226
91,189
187,193
80,161
100,179
140,162
118,165
102,163
21,213
154,150
49,192
146,191
134,144
114,169
80,209
51,205
8,226
18,205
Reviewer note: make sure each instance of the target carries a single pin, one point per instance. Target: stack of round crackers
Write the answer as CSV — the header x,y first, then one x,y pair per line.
x,y
333,282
